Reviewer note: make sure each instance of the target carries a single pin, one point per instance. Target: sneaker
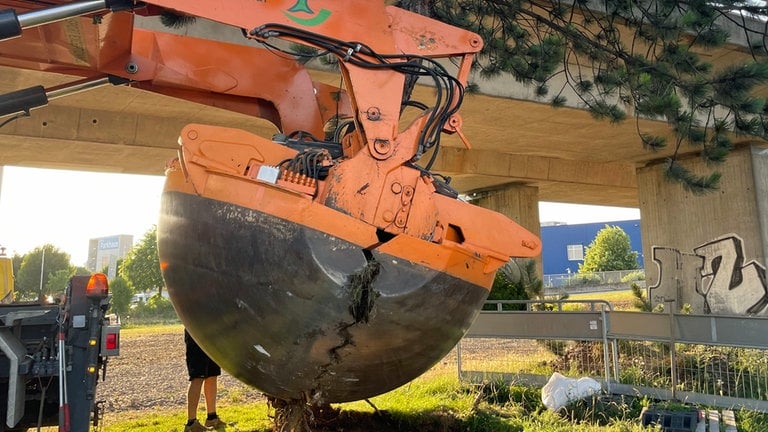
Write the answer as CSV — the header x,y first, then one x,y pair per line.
x,y
215,423
195,427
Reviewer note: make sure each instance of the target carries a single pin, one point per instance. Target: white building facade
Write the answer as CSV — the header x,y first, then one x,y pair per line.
x,y
103,252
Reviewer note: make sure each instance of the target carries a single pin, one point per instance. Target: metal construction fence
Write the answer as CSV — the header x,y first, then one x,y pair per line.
x,y
575,280
702,359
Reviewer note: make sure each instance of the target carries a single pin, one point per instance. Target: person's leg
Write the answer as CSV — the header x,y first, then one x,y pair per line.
x,y
197,370
209,389
193,397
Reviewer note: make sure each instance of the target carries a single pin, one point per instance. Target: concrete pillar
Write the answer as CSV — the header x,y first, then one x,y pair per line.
x,y
760,169
519,203
708,251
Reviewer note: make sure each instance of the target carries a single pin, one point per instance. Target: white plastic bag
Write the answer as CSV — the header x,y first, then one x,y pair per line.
x,y
560,391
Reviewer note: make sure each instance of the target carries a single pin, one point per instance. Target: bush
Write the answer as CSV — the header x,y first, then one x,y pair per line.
x,y
503,289
157,309
634,276
585,279
121,296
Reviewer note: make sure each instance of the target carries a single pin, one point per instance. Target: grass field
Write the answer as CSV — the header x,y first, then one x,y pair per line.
x,y
621,300
611,296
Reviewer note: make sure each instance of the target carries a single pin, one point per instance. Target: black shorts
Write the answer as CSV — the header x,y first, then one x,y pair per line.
x,y
199,365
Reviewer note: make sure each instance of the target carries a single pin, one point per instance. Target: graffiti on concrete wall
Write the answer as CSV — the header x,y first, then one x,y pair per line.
x,y
712,279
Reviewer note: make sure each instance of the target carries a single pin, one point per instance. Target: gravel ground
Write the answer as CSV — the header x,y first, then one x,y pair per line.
x,y
150,373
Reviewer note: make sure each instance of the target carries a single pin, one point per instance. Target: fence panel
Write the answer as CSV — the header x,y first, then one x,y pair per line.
x,y
706,359
529,361
567,280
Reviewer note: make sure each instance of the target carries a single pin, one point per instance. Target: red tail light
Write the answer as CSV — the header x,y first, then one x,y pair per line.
x,y
98,287
111,342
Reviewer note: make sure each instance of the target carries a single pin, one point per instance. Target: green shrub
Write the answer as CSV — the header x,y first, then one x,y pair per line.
x,y
603,410
585,279
751,421
634,276
157,309
503,289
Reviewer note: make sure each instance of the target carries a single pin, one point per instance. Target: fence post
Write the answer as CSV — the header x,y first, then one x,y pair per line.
x,y
605,349
672,349
616,367
458,359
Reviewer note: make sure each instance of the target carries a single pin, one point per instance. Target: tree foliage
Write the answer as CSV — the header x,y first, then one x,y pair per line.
x,y
523,272
141,267
57,283
81,271
504,289
516,280
32,268
639,299
59,280
610,250
121,295
17,260
646,59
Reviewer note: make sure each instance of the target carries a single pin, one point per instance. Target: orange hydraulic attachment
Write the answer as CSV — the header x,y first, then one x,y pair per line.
x,y
408,207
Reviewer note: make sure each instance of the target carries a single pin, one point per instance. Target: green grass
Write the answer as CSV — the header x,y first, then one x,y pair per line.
x,y
247,417
435,402
621,300
611,296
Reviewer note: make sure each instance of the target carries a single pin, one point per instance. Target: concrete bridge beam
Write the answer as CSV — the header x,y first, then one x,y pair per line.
x,y
557,179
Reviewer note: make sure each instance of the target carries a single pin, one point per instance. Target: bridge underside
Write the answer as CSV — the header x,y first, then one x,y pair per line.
x,y
566,154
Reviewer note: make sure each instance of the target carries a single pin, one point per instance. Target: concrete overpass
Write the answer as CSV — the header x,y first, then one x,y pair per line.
x,y
514,141
523,152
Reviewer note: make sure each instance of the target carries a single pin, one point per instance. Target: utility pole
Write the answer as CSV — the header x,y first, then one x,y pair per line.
x,y
42,266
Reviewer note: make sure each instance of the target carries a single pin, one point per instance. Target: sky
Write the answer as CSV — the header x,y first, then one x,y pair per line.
x,y
68,208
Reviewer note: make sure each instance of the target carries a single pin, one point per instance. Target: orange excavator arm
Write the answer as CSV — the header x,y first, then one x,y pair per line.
x,y
101,42
209,72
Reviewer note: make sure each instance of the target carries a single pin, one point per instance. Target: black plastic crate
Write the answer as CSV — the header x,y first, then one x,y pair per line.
x,y
671,421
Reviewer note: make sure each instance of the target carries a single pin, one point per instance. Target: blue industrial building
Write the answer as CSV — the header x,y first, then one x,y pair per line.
x,y
563,246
